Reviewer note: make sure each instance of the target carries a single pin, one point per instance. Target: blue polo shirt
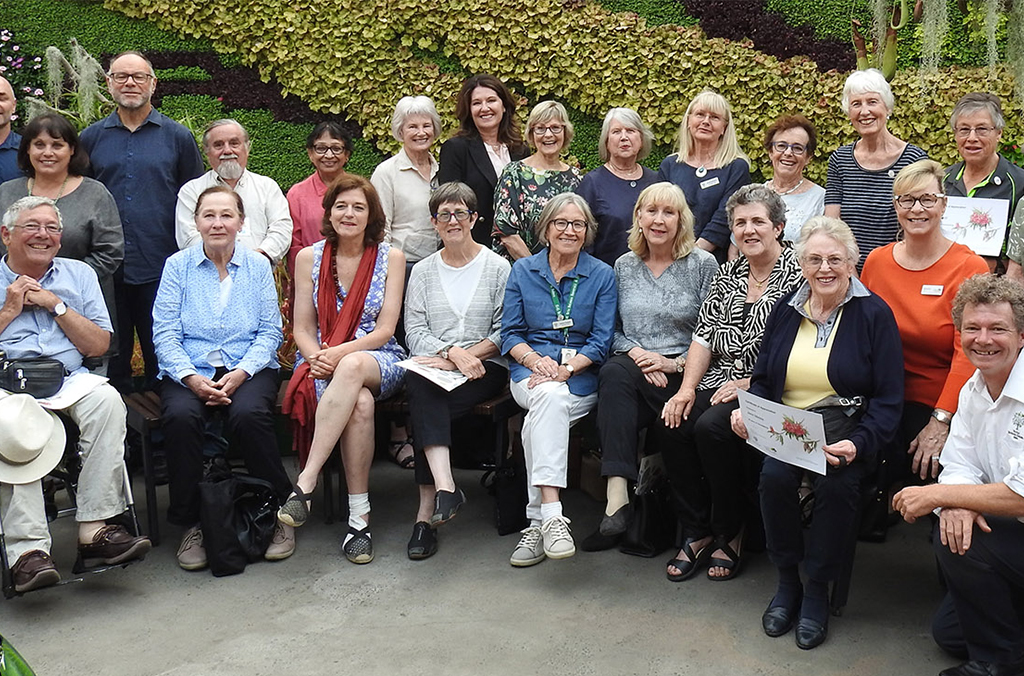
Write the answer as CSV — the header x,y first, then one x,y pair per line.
x,y
9,158
143,170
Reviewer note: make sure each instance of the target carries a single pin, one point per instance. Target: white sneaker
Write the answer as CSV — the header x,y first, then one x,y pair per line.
x,y
530,550
558,542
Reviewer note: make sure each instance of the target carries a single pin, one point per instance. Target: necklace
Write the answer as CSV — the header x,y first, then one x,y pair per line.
x,y
626,175
32,182
759,283
787,192
702,171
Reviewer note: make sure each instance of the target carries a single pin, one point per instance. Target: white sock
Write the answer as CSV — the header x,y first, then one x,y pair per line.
x,y
358,505
549,510
618,494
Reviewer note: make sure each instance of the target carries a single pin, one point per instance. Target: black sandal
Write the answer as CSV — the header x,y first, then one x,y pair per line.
x,y
731,564
295,509
688,569
395,447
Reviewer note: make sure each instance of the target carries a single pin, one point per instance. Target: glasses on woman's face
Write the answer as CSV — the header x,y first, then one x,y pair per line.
x,y
555,129
781,147
927,200
460,215
322,150
981,132
561,224
813,262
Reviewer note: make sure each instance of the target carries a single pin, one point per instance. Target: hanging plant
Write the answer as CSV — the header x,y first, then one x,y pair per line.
x,y
1015,46
935,25
992,15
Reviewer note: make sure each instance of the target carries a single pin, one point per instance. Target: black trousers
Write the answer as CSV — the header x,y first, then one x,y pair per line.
x,y
626,404
134,304
432,410
983,613
249,424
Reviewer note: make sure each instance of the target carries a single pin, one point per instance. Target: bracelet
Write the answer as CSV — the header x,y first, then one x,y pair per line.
x,y
522,360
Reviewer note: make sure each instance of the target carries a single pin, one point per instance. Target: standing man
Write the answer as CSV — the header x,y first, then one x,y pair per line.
x,y
143,157
9,141
980,494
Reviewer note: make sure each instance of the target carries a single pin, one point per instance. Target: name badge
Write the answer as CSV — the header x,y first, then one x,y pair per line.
x,y
562,323
931,289
567,354
710,183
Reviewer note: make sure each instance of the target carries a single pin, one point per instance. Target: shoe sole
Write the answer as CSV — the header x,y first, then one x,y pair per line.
x,y
288,520
279,556
362,559
526,563
560,555
136,551
44,578
193,566
419,556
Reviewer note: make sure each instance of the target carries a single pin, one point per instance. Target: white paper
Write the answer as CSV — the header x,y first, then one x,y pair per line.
x,y
448,380
74,388
977,222
792,435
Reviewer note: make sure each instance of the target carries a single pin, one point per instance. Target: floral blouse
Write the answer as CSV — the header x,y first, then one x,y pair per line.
x,y
521,194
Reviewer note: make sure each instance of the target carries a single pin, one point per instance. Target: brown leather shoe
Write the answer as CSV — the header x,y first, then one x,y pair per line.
x,y
34,570
113,545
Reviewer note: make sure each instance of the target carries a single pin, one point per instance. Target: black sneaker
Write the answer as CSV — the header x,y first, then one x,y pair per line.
x,y
446,505
423,543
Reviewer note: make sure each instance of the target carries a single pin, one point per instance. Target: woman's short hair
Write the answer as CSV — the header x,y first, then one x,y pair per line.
x,y
631,119
666,194
787,122
977,102
224,190
832,228
375,218
989,289
57,126
728,146
550,111
508,128
916,176
555,205
453,192
333,129
758,193
865,81
408,106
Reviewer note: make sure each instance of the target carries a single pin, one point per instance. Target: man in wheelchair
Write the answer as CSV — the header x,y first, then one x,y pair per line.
x,y
54,309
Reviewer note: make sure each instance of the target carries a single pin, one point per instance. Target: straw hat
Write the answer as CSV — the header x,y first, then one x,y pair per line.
x,y
31,440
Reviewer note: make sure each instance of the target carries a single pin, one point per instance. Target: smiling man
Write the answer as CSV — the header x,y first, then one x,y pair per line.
x,y
980,494
9,141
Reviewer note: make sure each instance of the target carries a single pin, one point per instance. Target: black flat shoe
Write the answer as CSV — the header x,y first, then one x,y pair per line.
x,y
423,543
688,569
810,633
597,542
777,621
979,668
617,523
446,505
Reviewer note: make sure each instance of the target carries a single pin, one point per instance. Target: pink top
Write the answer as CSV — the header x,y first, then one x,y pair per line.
x,y
305,201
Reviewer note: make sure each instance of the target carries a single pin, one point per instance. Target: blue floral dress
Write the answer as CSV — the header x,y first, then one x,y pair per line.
x,y
391,376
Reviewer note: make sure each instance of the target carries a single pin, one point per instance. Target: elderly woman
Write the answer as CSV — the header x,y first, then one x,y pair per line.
x,y
487,140
860,175
611,190
918,277
54,163
559,317
452,322
217,327
348,294
830,347
709,166
525,186
661,284
713,473
790,143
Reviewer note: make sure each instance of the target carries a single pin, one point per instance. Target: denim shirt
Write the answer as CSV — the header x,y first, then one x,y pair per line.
x,y
188,323
529,313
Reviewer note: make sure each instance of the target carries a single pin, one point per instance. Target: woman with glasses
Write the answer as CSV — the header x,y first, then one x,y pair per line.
x,y
709,166
525,186
559,317
452,322
790,143
918,277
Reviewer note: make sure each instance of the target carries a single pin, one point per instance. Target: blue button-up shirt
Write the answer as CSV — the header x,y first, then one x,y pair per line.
x,y
35,332
529,313
143,170
188,323
9,158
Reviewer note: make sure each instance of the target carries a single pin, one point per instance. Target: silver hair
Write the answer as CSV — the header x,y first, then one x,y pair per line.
x,y
555,205
976,102
631,119
864,81
28,204
414,105
223,122
757,193
832,228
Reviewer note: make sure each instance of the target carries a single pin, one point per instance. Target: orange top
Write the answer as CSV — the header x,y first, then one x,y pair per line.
x,y
922,301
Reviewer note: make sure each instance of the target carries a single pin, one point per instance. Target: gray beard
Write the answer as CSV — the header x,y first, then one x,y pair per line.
x,y
230,170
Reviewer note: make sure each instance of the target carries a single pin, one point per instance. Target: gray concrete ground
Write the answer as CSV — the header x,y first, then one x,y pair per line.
x,y
464,611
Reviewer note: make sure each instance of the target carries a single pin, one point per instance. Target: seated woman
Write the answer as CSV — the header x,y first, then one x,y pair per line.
x,y
348,293
216,328
559,317
713,473
452,322
831,347
661,283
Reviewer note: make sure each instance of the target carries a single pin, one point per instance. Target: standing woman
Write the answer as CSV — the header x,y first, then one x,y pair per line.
x,y
860,175
487,140
612,189
348,294
790,142
709,166
525,186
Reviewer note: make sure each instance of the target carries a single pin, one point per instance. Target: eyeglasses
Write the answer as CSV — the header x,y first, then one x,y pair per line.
x,y
781,147
927,200
36,228
555,129
814,262
561,224
460,215
138,78
337,151
965,132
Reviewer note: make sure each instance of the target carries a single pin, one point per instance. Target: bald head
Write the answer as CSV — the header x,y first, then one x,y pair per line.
x,y
7,103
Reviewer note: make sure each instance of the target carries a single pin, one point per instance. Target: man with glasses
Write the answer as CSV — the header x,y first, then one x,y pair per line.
x,y
143,157
268,224
9,141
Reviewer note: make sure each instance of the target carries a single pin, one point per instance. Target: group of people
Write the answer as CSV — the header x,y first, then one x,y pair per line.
x,y
654,297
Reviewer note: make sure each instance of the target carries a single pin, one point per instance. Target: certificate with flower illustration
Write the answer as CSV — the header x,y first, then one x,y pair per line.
x,y
792,435
977,222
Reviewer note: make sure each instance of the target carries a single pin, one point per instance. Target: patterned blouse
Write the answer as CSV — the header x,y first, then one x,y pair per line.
x,y
521,194
731,333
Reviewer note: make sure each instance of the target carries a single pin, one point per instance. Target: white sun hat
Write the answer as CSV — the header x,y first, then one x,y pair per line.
x,y
31,440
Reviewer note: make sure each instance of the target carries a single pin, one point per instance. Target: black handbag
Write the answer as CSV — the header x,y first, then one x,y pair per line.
x,y
653,527
39,377
238,514
508,486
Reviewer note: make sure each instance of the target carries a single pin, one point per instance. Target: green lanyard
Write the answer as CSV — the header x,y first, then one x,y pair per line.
x,y
564,319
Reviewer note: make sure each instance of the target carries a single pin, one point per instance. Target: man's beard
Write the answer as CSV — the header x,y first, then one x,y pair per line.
x,y
229,170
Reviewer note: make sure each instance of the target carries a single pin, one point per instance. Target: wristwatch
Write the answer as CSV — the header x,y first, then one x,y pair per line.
x,y
444,351
60,309
570,368
943,417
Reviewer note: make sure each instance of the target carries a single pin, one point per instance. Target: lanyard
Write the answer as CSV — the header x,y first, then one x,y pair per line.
x,y
567,315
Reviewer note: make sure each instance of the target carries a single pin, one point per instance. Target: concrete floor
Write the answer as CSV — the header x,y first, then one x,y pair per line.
x,y
464,611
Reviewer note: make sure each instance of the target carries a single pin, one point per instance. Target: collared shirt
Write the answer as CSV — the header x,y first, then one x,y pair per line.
x,y
529,313
189,322
1006,182
143,170
986,437
405,195
799,303
35,332
267,226
306,206
9,158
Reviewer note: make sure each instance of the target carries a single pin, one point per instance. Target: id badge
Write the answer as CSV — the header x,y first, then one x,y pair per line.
x,y
567,354
562,324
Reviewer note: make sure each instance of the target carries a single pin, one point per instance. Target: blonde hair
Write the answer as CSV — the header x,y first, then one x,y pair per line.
x,y
728,146
549,111
915,176
667,194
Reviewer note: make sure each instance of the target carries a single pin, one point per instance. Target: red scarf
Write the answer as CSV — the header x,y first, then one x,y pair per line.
x,y
336,327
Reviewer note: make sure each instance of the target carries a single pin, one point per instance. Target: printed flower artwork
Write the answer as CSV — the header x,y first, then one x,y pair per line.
x,y
793,429
979,220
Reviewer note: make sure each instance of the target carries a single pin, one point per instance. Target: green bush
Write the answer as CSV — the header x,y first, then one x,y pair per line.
x,y
656,12
183,74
